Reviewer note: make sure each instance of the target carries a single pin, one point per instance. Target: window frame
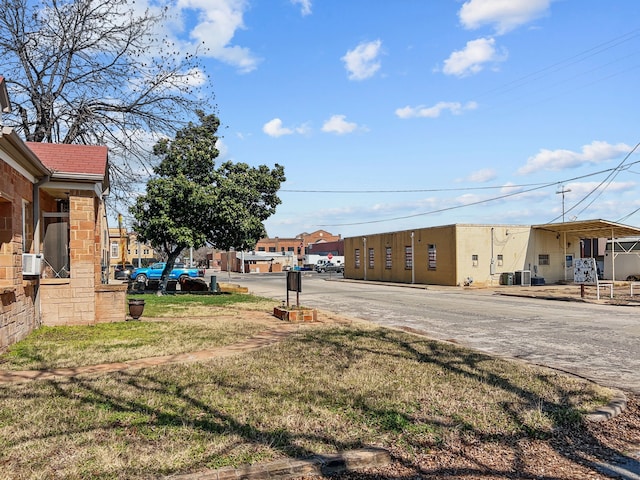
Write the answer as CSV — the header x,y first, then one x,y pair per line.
x,y
408,257
432,257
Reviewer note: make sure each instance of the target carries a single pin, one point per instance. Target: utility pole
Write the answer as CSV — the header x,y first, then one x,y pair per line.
x,y
563,191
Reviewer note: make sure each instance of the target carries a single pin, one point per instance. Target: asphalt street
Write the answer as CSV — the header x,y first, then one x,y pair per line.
x,y
594,341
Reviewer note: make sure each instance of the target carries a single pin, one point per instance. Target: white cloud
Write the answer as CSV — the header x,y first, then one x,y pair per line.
x,y
195,77
274,128
483,175
338,124
215,26
580,189
305,6
455,108
362,62
471,60
504,15
594,153
222,148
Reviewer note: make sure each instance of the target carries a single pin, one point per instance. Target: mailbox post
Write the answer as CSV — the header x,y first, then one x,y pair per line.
x,y
294,284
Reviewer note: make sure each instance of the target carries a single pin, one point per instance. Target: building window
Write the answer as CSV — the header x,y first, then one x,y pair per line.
x,y
27,226
272,249
568,261
6,235
474,260
387,258
56,245
500,260
371,257
261,249
146,251
431,256
114,250
543,259
291,249
408,258
282,249
356,256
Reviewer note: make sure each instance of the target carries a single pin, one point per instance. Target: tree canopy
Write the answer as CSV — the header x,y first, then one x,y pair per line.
x,y
95,72
190,202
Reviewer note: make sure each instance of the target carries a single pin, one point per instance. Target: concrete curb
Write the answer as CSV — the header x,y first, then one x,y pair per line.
x,y
615,407
290,468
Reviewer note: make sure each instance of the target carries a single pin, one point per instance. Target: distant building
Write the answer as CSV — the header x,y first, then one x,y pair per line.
x,y
292,250
124,248
463,254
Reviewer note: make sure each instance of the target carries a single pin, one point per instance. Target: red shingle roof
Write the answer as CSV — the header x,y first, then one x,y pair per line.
x,y
64,158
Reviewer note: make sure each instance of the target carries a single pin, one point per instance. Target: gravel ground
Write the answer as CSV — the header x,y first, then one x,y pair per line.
x,y
580,453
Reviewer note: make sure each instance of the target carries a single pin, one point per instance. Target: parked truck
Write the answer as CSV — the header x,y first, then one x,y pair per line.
x,y
154,272
314,260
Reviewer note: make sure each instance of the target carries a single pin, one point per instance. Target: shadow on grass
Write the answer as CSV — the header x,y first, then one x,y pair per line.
x,y
415,439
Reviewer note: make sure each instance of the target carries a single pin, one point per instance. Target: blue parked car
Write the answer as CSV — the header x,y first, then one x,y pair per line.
x,y
154,272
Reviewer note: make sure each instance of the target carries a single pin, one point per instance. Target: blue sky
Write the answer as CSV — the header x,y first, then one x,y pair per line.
x,y
413,113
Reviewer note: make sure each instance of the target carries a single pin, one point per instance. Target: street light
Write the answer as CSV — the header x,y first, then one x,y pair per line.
x,y
563,191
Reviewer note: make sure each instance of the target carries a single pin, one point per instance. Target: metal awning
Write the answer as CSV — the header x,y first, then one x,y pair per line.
x,y
592,229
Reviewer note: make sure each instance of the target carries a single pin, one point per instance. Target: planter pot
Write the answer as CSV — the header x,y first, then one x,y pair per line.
x,y
136,307
296,314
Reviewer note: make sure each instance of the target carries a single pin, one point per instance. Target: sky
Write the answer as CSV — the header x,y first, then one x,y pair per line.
x,y
394,115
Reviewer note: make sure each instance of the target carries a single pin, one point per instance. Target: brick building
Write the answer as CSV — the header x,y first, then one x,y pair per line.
x,y
53,236
300,245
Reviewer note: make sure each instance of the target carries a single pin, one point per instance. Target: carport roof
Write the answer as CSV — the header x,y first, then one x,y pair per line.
x,y
592,229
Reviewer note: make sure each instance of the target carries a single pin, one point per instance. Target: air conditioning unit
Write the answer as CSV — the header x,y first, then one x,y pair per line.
x,y
523,278
31,263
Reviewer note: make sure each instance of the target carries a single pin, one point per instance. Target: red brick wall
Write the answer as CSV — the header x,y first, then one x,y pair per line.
x,y
18,314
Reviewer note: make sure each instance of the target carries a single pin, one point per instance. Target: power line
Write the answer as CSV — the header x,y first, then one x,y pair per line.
x,y
554,67
461,189
440,210
608,179
501,197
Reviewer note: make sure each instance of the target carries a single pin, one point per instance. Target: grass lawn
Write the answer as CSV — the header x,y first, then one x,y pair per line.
x,y
323,389
174,324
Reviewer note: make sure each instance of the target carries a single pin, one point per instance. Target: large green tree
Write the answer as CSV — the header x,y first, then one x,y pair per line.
x,y
190,202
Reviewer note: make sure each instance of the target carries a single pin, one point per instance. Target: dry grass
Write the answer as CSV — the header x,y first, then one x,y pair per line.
x,y
172,325
323,389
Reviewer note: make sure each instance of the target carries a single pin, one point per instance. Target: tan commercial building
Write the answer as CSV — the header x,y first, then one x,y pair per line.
x,y
467,254
125,248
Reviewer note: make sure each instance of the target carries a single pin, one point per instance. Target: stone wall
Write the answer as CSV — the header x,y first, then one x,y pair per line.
x,y
81,299
111,303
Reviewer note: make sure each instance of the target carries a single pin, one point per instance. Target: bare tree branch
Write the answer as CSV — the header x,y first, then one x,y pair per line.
x,y
96,72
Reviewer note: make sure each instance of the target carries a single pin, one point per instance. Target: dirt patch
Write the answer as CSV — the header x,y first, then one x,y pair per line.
x,y
621,293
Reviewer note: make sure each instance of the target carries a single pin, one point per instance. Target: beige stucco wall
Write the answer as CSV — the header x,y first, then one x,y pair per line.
x,y
488,242
455,245
552,244
442,237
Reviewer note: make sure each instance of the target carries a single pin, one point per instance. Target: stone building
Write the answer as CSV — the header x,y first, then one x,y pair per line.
x,y
53,236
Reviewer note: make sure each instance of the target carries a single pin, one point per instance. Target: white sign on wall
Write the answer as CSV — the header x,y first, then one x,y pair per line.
x,y
585,271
